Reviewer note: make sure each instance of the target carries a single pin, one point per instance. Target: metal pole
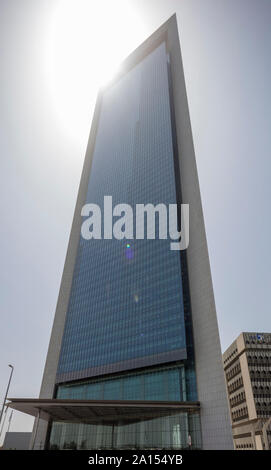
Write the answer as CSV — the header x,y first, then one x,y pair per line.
x,y
264,431
253,436
112,443
36,429
12,368
4,420
9,421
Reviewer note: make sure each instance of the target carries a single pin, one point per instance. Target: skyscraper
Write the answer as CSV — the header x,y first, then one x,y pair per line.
x,y
134,359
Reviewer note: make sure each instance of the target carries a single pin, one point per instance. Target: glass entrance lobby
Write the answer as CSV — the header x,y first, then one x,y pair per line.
x,y
174,431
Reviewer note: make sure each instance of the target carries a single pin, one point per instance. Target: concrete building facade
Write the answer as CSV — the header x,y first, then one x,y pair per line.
x,y
247,367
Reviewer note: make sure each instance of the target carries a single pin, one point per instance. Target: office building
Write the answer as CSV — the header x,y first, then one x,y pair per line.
x,y
247,366
134,359
17,441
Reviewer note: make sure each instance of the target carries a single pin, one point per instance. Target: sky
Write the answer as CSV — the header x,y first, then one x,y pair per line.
x,y
54,55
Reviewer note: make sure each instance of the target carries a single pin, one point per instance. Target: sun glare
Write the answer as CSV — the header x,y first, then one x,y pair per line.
x,y
86,42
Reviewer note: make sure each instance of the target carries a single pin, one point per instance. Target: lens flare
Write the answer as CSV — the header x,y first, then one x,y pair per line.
x,y
129,253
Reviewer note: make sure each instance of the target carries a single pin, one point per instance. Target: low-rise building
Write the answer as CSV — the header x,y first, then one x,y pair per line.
x,y
17,441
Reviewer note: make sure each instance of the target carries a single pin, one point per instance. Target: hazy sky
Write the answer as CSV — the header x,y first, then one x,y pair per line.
x,y
53,55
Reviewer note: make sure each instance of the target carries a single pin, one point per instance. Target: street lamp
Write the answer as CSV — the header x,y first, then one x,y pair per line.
x,y
11,372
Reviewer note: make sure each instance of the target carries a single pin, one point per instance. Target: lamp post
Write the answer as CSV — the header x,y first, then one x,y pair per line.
x,y
3,424
9,421
11,372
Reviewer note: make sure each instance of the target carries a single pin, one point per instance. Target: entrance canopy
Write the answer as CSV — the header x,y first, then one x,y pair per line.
x,y
99,411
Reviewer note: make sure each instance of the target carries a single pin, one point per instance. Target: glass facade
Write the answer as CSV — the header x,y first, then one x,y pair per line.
x,y
126,306
165,384
128,330
165,432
